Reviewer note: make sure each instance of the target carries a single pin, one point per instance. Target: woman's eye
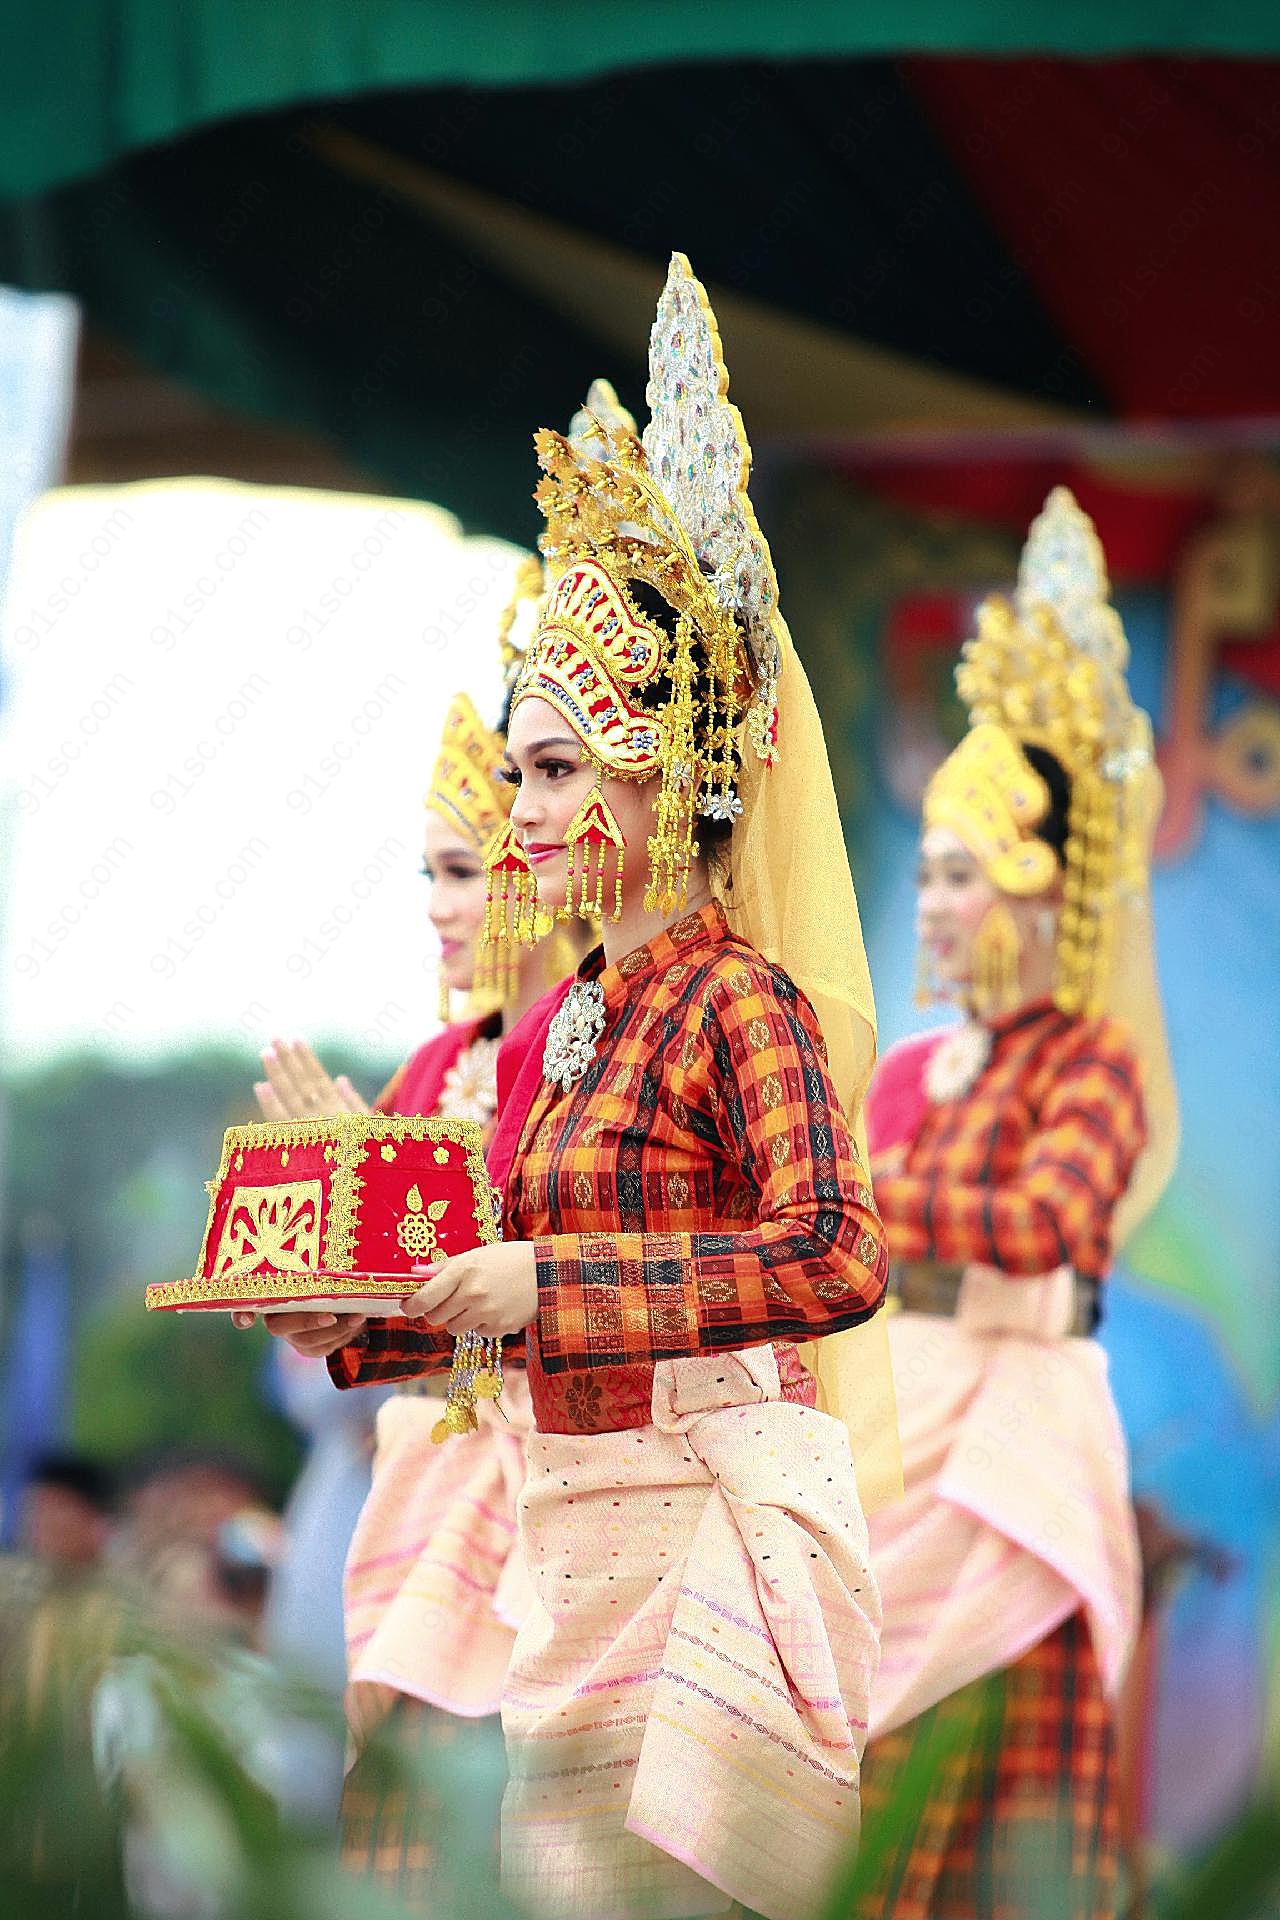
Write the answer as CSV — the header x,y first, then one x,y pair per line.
x,y
555,769
509,776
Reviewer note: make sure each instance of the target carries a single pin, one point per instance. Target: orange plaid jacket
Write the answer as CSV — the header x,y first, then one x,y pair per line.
x,y
697,1190
1022,1172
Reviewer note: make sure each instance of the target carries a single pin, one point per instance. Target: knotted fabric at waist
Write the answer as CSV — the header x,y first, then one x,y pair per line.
x,y
998,1301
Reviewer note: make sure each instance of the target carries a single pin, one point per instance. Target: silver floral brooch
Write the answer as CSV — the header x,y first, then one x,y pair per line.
x,y
574,1034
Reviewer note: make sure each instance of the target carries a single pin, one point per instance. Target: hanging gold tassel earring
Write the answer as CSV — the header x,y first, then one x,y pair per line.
x,y
493,979
511,905
672,846
997,949
591,833
926,987
444,1005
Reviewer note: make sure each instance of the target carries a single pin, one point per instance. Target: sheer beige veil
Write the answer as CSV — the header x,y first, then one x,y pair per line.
x,y
788,891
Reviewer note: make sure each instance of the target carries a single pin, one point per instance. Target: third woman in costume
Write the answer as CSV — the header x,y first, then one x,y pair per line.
x,y
1012,1153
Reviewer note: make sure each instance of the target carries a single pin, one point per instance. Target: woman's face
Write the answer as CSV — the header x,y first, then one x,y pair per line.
x,y
458,887
953,897
553,776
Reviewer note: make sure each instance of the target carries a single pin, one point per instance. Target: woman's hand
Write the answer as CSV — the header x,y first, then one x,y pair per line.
x,y
489,1291
298,1088
314,1334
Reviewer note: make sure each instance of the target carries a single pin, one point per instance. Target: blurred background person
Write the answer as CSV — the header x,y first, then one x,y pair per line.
x,y
67,1512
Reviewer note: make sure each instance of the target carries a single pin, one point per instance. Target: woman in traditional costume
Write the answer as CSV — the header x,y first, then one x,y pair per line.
x,y
435,1585
1011,1153
691,1239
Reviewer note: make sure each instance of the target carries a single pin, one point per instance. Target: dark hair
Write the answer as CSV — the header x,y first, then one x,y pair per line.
x,y
75,1473
1054,827
712,835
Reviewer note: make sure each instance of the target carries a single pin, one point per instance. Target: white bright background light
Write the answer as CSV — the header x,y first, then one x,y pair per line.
x,y
222,707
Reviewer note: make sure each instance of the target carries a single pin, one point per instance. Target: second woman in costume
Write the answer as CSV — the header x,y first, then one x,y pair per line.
x,y
435,1586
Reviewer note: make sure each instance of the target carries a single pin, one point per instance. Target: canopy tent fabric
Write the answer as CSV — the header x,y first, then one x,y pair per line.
x,y
422,277
86,82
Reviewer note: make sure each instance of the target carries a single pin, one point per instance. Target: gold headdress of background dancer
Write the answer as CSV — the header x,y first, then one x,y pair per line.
x,y
1049,670
715,706
468,793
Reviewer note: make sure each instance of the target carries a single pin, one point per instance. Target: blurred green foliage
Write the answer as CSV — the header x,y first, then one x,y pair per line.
x,y
136,1777
147,1382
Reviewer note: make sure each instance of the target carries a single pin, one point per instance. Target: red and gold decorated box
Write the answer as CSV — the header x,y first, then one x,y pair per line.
x,y
335,1213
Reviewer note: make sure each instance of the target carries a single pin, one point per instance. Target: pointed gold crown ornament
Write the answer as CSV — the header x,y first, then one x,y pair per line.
x,y
467,790
670,511
470,794
1049,670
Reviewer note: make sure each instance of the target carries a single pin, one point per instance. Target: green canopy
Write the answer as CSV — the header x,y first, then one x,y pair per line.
x,y
83,82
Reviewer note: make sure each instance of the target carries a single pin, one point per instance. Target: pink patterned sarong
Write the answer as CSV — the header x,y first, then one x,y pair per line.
x,y
435,1582
1017,1512
687,1702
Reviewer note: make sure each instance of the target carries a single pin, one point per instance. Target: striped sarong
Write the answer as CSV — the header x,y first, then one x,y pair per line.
x,y
435,1585
687,1703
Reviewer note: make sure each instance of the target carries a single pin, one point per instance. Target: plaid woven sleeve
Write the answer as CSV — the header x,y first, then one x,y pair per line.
x,y
387,1350
813,1261
1058,1208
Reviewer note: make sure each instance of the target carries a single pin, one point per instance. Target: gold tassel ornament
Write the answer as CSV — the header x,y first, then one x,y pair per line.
x,y
590,837
476,1374
926,985
997,949
511,903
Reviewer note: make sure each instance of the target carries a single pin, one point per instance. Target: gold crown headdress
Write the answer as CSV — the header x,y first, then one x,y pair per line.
x,y
528,590
1049,670
670,510
467,790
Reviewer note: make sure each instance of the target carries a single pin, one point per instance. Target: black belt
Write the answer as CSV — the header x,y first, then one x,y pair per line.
x,y
933,1286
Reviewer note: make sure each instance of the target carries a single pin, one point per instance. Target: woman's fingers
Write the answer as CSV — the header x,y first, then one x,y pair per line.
x,y
308,1076
429,1301
315,1334
270,1104
302,1087
350,1098
279,1072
